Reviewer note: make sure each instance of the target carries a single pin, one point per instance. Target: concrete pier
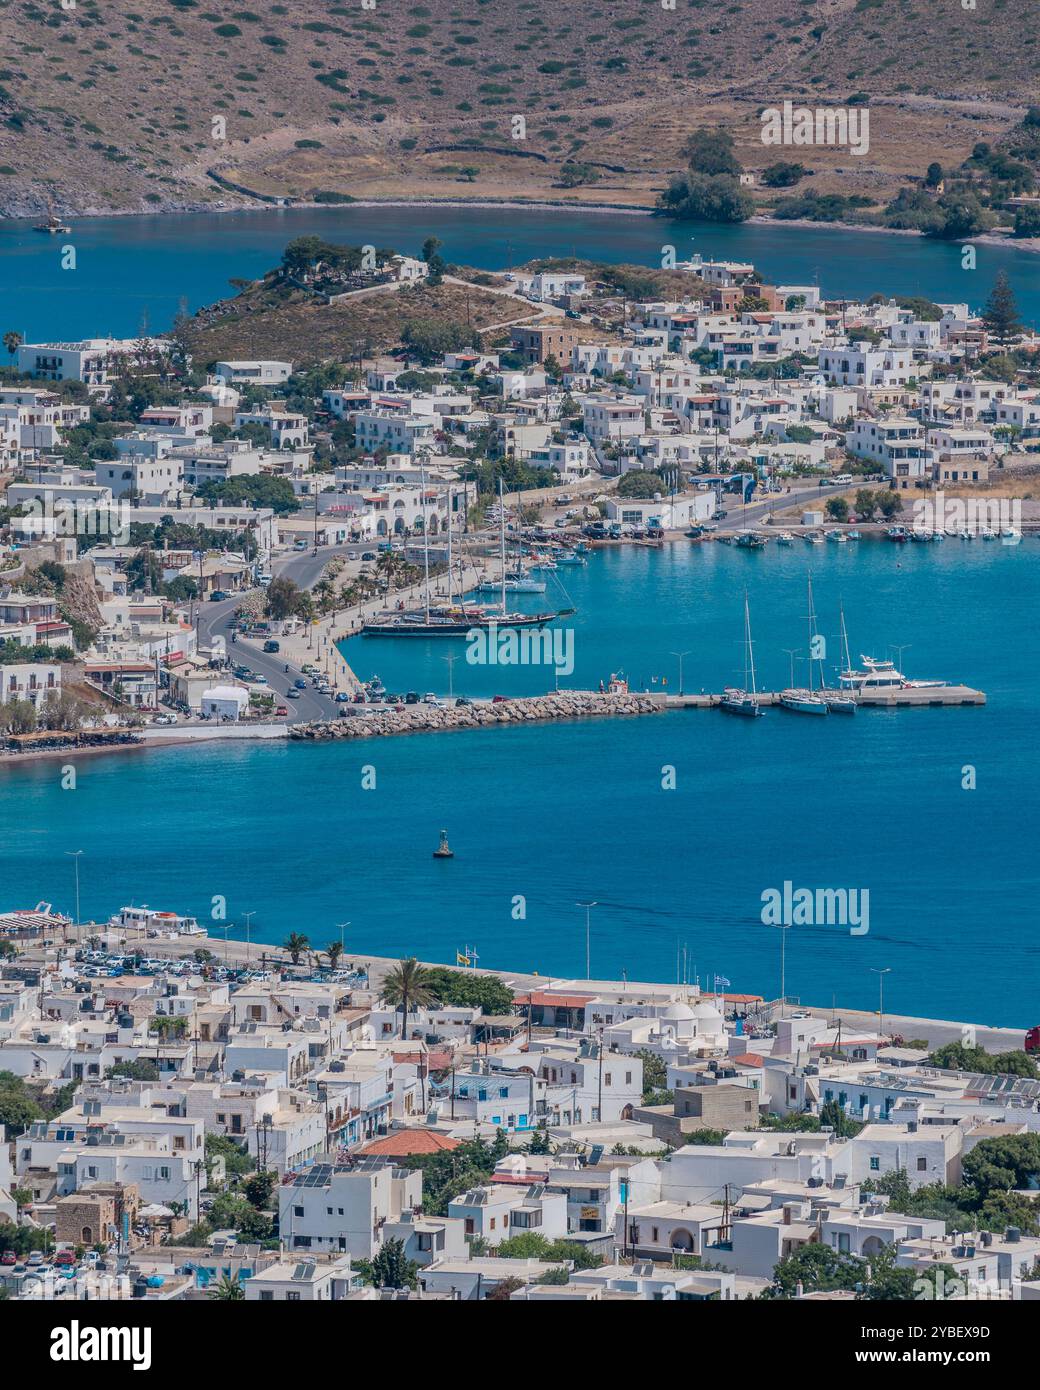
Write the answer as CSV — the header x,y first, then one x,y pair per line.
x,y
928,697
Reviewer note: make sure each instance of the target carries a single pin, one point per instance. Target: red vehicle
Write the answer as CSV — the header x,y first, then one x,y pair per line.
x,y
65,1257
8,1258
1033,1039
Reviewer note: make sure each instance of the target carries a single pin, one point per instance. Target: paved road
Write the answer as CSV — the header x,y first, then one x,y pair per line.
x,y
304,569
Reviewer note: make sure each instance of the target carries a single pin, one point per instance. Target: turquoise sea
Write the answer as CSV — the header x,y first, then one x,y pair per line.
x,y
566,813
130,269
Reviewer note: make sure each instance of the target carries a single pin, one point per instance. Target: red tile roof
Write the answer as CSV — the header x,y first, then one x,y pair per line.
x,y
406,1142
748,1059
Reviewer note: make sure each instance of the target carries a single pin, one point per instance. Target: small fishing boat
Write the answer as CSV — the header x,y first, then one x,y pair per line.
x,y
967,536
1009,536
570,557
515,582
899,534
750,540
814,538
444,850
785,538
836,537
852,535
53,225
989,535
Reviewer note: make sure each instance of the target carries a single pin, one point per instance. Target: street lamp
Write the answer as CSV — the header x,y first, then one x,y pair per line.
x,y
588,937
783,969
680,655
792,652
249,950
451,660
74,855
881,972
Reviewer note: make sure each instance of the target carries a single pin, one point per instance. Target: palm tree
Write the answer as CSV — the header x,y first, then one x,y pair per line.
x,y
228,1290
407,985
296,944
333,950
12,342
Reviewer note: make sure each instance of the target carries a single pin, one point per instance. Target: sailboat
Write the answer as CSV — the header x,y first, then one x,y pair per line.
x,y
805,701
458,619
744,702
836,700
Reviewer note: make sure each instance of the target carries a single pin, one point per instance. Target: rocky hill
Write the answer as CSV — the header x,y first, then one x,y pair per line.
x,y
154,104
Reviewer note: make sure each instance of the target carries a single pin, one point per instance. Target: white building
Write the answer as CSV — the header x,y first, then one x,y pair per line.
x,y
253,373
31,681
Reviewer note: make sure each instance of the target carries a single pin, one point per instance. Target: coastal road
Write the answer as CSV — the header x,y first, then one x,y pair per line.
x,y
304,569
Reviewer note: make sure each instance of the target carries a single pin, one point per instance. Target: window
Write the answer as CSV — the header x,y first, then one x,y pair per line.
x,y
470,1228
292,1295
297,1211
875,1163
922,1165
266,1296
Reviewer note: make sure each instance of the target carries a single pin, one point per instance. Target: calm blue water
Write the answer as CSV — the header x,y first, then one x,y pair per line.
x,y
571,812
131,267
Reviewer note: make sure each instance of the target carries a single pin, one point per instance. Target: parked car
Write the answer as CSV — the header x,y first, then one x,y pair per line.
x,y
412,698
8,1258
272,646
463,700
35,1259
281,711
218,596
292,693
65,1257
499,699
369,555
341,697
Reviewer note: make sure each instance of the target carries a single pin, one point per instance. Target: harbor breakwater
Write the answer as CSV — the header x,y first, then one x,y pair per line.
x,y
415,719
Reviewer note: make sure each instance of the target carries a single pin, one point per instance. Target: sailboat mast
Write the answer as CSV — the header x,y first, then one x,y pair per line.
x,y
811,635
426,535
449,543
749,660
502,541
844,643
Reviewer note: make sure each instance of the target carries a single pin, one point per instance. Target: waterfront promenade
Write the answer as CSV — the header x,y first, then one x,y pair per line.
x,y
264,956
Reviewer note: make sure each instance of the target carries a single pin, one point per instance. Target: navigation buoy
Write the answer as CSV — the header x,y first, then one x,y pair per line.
x,y
444,850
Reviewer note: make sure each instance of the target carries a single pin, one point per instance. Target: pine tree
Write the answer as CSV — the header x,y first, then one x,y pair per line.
x,y
1001,312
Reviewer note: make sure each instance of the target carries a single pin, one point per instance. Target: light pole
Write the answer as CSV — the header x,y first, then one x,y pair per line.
x,y
881,972
588,937
249,949
342,928
783,969
680,655
74,855
792,652
451,660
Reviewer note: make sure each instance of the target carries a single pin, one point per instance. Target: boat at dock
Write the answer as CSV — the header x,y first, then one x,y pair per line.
x,y
570,557
806,701
517,581
785,538
882,675
899,534
750,540
744,702
802,702
814,538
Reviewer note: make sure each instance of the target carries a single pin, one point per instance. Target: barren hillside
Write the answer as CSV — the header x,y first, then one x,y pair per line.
x,y
137,105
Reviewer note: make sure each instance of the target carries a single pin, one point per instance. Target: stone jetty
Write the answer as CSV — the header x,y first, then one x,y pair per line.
x,y
380,721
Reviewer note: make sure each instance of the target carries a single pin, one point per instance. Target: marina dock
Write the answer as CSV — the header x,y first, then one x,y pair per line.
x,y
922,697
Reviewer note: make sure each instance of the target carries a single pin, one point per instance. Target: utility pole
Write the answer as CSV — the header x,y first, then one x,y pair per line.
x,y
783,969
249,948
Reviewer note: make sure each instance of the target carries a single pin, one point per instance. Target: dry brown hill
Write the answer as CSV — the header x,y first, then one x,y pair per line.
x,y
114,106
